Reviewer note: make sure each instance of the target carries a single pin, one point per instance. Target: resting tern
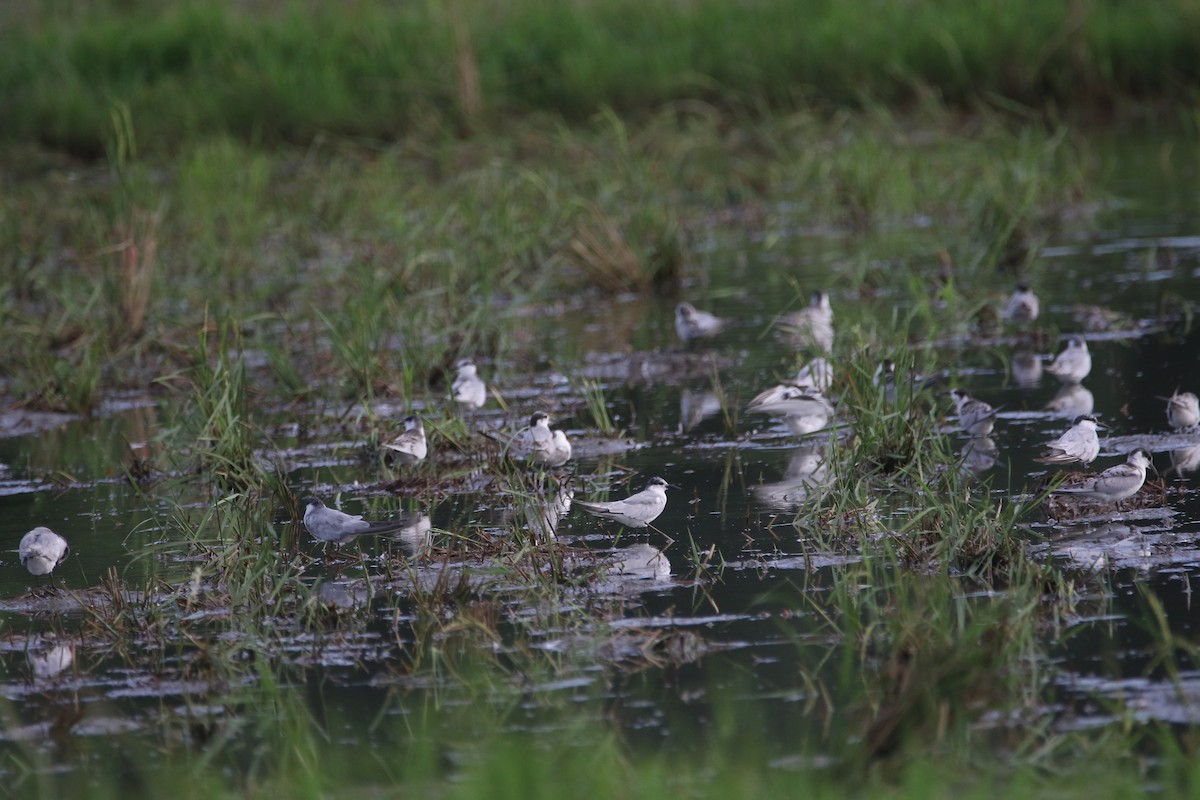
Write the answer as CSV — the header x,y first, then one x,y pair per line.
x,y
812,326
1078,445
539,444
1074,363
691,323
1115,483
803,411
468,388
974,416
816,374
1183,410
1022,305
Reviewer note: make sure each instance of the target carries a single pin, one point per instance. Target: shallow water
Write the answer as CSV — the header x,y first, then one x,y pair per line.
x,y
688,634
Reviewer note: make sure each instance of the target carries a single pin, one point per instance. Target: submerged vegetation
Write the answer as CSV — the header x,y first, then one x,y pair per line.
x,y
299,218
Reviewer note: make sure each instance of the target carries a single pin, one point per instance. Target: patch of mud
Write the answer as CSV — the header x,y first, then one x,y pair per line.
x,y
52,600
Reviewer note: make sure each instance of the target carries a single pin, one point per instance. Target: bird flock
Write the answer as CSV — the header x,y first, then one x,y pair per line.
x,y
800,404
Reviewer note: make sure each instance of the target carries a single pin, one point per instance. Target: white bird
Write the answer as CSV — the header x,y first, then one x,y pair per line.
x,y
539,444
410,444
816,374
1183,410
560,450
330,525
468,388
974,416
802,410
1074,363
691,323
1079,444
635,511
813,378
41,550
776,394
812,326
1022,305
1115,483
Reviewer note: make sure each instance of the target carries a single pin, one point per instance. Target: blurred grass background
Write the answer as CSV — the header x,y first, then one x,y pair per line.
x,y
384,69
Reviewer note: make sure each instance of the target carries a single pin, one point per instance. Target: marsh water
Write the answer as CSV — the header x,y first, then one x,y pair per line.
x,y
720,588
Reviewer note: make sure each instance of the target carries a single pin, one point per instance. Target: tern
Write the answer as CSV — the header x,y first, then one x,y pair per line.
x,y
410,445
41,550
332,526
802,410
974,416
635,511
691,323
537,443
1078,445
468,388
816,374
1074,363
1022,305
1115,483
812,326
1183,410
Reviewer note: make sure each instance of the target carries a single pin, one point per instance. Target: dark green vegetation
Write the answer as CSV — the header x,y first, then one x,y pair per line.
x,y
300,215
265,71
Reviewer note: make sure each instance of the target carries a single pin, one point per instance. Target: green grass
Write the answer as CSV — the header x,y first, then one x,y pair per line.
x,y
369,271
292,71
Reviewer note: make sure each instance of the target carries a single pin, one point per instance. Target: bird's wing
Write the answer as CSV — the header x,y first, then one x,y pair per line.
x,y
1116,478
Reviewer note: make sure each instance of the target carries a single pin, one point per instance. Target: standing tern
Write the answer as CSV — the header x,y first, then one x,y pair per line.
x,y
635,511
410,444
332,526
41,550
